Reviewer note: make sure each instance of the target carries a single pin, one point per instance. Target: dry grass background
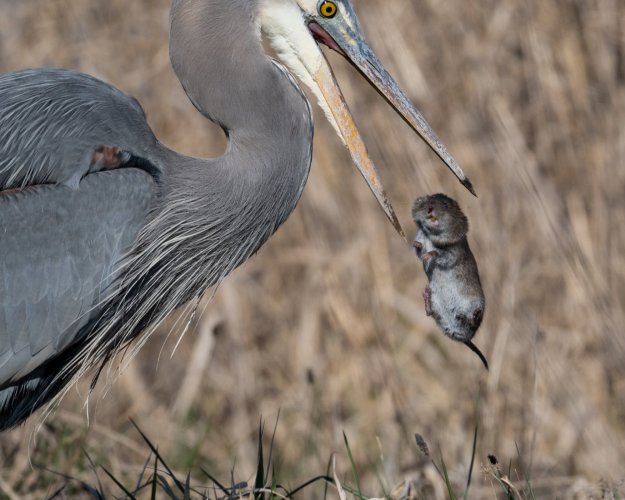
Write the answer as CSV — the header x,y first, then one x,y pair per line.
x,y
326,324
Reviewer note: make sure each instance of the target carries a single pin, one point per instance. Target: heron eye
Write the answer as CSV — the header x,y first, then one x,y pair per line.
x,y
327,9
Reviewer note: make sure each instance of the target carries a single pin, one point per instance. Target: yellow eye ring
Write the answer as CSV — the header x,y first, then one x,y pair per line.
x,y
327,9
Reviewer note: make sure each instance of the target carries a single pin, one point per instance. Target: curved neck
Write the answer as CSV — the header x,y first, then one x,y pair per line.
x,y
213,214
216,52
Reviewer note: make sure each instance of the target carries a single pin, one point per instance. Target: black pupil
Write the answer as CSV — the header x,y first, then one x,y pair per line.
x,y
329,9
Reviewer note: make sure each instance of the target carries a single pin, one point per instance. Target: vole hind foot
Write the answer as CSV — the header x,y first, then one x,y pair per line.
x,y
108,158
427,298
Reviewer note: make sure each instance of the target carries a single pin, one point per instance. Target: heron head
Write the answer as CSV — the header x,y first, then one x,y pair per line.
x,y
296,29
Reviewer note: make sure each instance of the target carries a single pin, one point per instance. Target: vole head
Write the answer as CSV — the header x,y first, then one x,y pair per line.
x,y
441,218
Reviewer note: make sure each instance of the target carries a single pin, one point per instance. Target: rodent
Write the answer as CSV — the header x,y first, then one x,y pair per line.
x,y
454,296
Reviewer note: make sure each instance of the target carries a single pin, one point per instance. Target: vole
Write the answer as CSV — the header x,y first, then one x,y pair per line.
x,y
454,296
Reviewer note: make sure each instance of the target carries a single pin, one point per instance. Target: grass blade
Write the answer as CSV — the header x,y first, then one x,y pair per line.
x,y
337,483
273,438
217,483
326,478
525,473
474,447
142,475
153,495
86,487
450,489
187,487
353,464
57,493
95,471
118,483
165,486
259,483
179,485
325,489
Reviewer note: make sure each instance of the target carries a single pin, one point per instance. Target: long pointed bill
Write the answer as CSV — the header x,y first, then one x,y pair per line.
x,y
335,101
351,45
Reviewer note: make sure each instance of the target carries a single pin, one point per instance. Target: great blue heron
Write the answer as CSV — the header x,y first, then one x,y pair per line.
x,y
104,231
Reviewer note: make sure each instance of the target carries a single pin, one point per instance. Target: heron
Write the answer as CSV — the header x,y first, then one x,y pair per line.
x,y
104,230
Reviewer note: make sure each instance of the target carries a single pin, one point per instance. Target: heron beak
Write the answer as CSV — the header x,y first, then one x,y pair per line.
x,y
350,43
324,78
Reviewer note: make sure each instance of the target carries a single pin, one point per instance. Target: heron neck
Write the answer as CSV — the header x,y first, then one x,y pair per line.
x,y
216,52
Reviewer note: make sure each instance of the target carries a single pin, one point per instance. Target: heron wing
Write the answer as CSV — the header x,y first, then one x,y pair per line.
x,y
63,227
59,250
53,120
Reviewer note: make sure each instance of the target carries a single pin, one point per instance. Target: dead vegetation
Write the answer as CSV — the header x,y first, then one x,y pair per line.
x,y
326,324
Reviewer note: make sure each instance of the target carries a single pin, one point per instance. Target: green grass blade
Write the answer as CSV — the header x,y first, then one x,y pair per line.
x,y
326,478
58,492
525,473
259,482
95,471
505,488
118,483
187,487
474,447
355,493
165,486
353,464
217,483
273,439
153,495
385,492
325,489
179,485
142,475
450,489
86,487
274,484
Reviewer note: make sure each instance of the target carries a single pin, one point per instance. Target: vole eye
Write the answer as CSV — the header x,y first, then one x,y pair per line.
x,y
327,9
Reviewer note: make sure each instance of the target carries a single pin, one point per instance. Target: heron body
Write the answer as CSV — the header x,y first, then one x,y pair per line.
x,y
95,251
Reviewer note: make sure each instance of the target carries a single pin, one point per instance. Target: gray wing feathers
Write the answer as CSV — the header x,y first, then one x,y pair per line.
x,y
52,119
59,244
59,248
